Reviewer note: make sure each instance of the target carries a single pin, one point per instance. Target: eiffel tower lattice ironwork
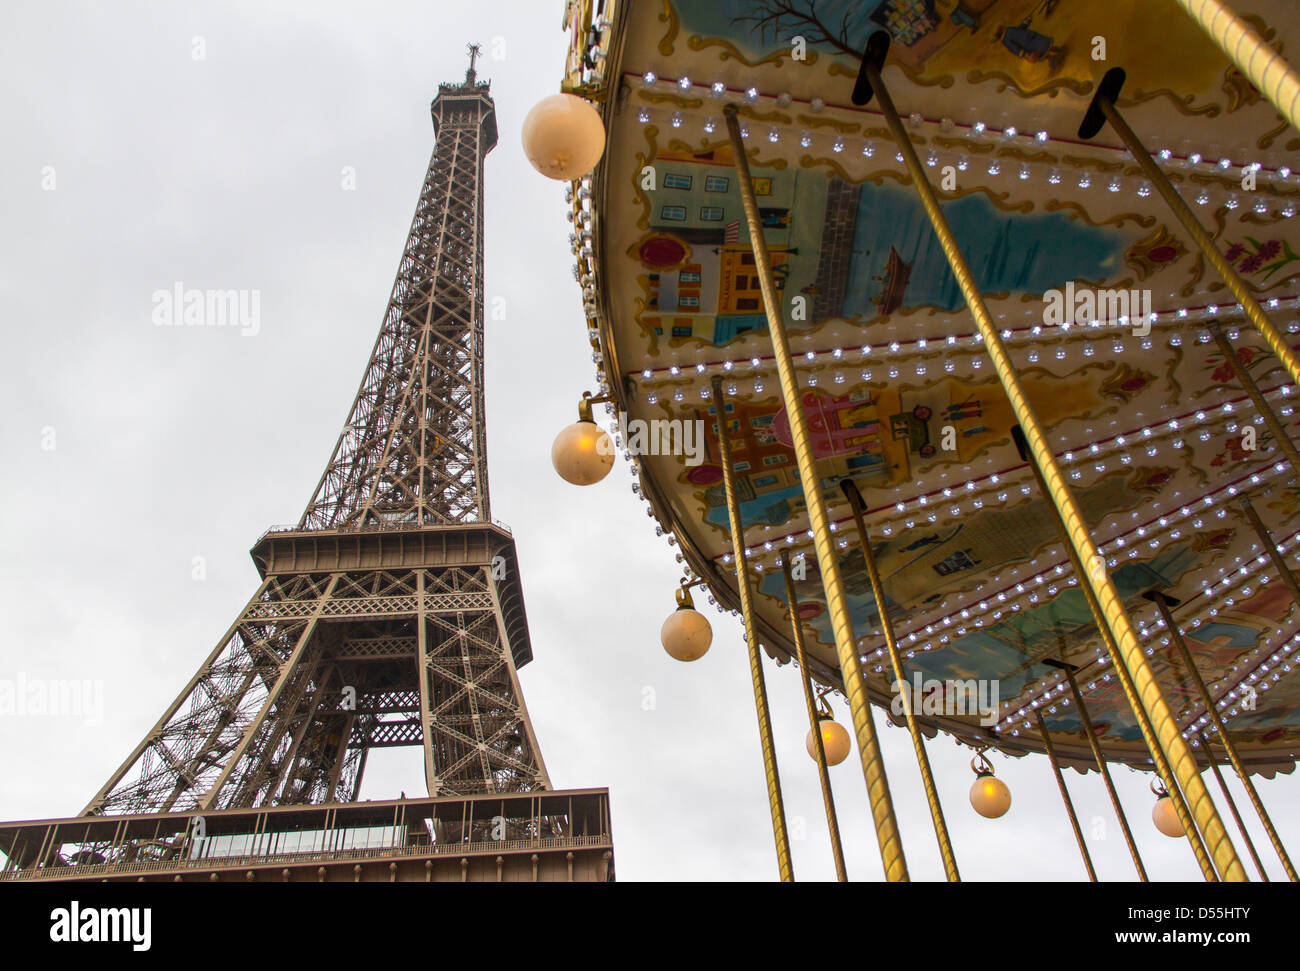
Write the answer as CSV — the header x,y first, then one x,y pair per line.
x,y
392,613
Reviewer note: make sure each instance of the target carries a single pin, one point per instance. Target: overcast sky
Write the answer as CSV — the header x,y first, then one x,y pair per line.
x,y
129,166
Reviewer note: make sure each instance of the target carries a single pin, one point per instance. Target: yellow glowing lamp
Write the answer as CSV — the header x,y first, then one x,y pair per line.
x,y
835,741
1164,814
686,635
583,453
563,136
989,795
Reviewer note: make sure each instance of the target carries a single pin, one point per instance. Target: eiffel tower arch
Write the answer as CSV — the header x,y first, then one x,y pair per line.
x,y
391,614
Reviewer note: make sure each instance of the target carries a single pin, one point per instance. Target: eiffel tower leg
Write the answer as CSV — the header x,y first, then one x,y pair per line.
x,y
208,801
285,772
432,783
542,778
340,756
96,804
478,734
255,783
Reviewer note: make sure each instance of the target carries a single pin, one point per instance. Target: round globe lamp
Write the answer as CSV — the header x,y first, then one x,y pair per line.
x,y
563,137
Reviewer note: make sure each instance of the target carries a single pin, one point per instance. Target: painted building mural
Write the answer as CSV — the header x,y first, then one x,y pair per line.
x,y
1142,412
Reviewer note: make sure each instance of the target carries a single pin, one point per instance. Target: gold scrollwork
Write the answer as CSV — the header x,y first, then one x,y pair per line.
x,y
1182,104
1007,82
650,132
1056,205
844,127
1081,162
974,148
1022,155
731,52
658,97
669,16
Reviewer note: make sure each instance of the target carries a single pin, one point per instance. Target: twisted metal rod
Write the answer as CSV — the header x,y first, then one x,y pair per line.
x,y
1095,744
1275,339
777,805
855,686
1131,654
814,722
1232,807
1262,406
1273,77
1176,635
1158,757
1065,797
900,680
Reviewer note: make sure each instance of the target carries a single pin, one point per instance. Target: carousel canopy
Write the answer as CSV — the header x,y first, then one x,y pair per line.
x,y
1104,302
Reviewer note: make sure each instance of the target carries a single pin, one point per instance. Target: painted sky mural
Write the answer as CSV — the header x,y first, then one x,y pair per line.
x,y
1147,421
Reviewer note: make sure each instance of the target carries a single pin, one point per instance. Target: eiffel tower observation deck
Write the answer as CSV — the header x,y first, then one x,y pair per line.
x,y
391,614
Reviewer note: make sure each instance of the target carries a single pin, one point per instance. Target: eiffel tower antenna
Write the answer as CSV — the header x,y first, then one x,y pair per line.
x,y
474,51
391,614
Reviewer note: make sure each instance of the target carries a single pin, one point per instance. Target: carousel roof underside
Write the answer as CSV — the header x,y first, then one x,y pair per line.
x,y
1153,431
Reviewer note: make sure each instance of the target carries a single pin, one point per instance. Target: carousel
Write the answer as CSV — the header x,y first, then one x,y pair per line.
x,y
953,345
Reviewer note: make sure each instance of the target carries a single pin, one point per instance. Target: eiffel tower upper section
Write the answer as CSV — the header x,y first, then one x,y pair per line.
x,y
414,447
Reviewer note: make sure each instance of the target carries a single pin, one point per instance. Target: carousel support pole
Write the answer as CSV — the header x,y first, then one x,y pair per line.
x,y
1131,655
1163,604
1158,757
1065,797
1262,406
1103,110
1232,807
1270,548
1272,77
814,723
855,685
900,682
1095,744
751,641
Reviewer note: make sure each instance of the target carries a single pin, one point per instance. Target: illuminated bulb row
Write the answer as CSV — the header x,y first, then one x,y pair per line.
x,y
763,367
976,131
996,603
927,503
1269,671
578,194
1023,170
1145,633
759,383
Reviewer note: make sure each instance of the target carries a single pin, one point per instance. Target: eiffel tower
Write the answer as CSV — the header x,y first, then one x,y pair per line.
x,y
391,614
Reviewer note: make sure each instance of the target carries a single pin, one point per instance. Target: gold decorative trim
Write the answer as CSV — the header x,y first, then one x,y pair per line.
x,y
650,132
1266,140
746,111
917,77
1266,219
1082,162
674,25
1234,185
1022,155
843,127
658,97
639,308
1056,205
1006,81
973,148
1136,255
731,52
1183,105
